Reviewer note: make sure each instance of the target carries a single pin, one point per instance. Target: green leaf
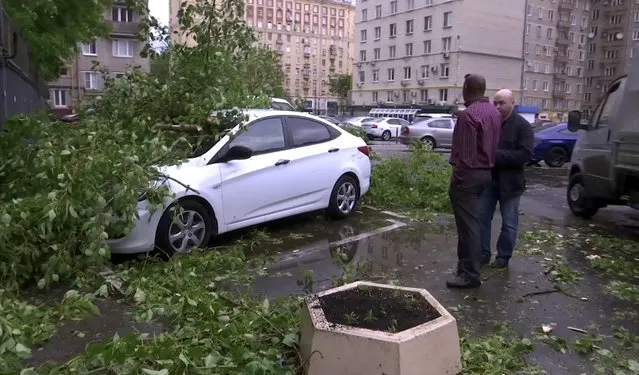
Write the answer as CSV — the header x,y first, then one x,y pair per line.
x,y
65,152
633,366
51,214
265,305
155,372
212,359
22,351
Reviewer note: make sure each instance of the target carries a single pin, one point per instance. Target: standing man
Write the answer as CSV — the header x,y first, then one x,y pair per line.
x,y
475,140
514,151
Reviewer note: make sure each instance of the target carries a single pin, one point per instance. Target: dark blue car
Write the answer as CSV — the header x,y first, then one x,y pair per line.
x,y
553,144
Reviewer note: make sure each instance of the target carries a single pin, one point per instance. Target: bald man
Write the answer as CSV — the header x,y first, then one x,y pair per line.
x,y
472,156
514,151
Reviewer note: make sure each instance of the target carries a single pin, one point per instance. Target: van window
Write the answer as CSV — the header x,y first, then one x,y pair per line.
x,y
608,106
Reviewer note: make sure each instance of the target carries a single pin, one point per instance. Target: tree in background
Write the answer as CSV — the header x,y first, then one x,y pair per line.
x,y
340,85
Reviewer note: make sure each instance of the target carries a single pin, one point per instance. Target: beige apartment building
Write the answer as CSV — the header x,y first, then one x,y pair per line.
x,y
416,52
555,56
314,39
613,37
117,53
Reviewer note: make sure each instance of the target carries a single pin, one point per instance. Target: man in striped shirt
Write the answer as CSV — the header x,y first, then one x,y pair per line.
x,y
473,152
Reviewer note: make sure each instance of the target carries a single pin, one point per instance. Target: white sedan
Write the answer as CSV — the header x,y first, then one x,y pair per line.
x,y
281,164
384,127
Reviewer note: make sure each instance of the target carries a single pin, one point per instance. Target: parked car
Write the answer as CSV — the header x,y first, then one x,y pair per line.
x,y
281,104
433,132
426,116
384,128
553,144
358,121
280,164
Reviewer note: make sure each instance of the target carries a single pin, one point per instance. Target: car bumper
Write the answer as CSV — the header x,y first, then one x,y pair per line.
x,y
142,238
373,132
407,140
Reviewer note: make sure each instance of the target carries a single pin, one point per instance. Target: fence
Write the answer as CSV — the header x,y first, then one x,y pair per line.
x,y
24,89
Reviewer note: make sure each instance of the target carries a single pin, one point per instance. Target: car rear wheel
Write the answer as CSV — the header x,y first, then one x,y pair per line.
x,y
578,202
556,157
344,198
386,135
429,143
184,226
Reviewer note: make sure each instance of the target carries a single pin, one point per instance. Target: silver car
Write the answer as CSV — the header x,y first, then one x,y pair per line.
x,y
433,132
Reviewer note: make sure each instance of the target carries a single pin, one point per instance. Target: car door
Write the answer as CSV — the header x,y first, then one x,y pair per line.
x,y
394,125
314,165
596,148
445,132
256,187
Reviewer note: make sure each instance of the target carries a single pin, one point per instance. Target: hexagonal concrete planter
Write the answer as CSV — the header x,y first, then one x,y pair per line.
x,y
366,328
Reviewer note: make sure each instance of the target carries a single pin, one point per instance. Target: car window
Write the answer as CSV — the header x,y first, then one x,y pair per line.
x,y
394,121
609,106
307,132
444,124
368,119
281,106
263,136
404,122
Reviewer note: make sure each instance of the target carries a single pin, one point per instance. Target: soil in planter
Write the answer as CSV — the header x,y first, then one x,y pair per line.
x,y
379,309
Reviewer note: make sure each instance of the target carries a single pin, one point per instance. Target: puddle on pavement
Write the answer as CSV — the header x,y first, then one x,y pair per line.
x,y
424,255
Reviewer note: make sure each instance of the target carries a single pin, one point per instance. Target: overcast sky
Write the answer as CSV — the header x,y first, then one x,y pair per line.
x,y
160,10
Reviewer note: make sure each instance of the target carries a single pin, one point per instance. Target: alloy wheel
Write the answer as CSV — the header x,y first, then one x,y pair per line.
x,y
187,231
346,197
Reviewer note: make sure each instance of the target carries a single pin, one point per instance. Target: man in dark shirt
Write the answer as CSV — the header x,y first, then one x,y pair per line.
x,y
515,150
475,140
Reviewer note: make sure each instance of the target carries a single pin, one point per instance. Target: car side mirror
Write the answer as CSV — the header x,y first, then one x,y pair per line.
x,y
238,153
574,121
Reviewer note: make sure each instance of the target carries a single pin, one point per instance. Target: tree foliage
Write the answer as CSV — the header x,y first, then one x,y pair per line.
x,y
340,85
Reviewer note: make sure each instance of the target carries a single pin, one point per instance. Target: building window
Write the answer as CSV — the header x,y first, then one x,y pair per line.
x,y
362,55
406,95
443,95
119,14
375,95
378,11
410,4
425,71
446,44
551,14
364,15
409,49
524,84
393,30
427,46
534,85
91,80
389,96
546,86
362,76
89,49
376,75
378,33
448,19
122,48
377,54
393,7
423,96
549,33
363,35
60,98
444,70
391,74
409,26
391,52
428,23
635,34
408,73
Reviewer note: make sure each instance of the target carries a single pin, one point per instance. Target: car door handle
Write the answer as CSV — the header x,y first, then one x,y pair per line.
x,y
281,162
333,150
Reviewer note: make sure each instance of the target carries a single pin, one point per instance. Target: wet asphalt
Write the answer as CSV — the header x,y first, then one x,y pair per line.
x,y
391,248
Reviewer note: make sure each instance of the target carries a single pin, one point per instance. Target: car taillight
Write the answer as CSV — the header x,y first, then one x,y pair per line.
x,y
405,130
365,150
374,126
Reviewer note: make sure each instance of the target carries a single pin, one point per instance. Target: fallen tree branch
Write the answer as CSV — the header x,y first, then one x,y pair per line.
x,y
186,128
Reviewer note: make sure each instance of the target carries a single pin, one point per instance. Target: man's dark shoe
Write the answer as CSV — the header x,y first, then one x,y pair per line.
x,y
485,260
500,263
461,282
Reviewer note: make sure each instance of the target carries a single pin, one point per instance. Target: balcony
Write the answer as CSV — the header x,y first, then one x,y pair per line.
x,y
562,42
566,6
559,94
124,28
560,76
561,59
564,24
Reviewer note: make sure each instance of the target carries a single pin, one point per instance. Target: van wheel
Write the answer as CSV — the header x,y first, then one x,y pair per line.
x,y
556,157
344,198
578,202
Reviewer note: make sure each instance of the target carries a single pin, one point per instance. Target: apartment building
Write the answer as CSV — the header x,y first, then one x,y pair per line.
x,y
314,39
555,56
612,41
117,53
415,52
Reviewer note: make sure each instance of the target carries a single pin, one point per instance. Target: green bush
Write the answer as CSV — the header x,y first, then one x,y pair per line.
x,y
419,183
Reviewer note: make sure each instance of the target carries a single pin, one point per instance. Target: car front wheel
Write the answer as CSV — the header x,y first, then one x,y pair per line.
x,y
344,197
184,226
578,202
